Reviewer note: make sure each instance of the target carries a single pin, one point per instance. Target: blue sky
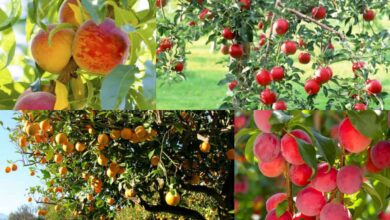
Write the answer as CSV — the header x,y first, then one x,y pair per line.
x,y
12,185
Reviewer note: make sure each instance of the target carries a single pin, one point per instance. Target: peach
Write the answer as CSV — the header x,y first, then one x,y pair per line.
x,y
335,211
100,48
325,178
273,201
66,14
380,155
370,167
274,168
310,201
289,146
266,147
300,216
54,57
261,118
300,174
272,216
349,179
36,101
351,139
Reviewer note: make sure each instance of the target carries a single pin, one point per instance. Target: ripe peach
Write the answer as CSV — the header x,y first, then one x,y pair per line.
x,y
273,168
100,48
380,154
289,146
351,139
273,201
36,101
52,58
349,179
261,118
335,211
370,167
310,201
325,179
272,216
266,147
300,174
66,14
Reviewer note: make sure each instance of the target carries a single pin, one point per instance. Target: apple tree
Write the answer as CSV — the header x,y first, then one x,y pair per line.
x,y
312,165
283,54
75,54
96,163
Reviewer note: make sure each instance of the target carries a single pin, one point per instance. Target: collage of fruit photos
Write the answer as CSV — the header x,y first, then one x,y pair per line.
x,y
194,109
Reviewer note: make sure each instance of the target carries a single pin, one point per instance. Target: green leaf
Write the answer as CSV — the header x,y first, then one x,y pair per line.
x,y
382,179
366,122
245,131
374,194
93,10
7,43
116,86
307,152
15,11
281,208
249,155
326,146
279,117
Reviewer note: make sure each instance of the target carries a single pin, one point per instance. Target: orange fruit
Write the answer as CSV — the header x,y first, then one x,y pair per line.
x,y
57,208
63,171
89,197
7,169
114,167
121,170
29,199
14,167
110,173
22,141
205,147
155,160
103,139
32,129
80,147
126,133
140,131
32,173
230,154
68,147
58,158
110,201
45,200
102,160
85,176
130,193
115,134
61,138
59,189
172,199
43,160
45,125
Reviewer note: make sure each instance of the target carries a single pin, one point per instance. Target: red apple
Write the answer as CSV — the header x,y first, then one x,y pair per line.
x,y
236,51
225,49
277,73
191,23
280,27
358,66
245,4
165,44
161,3
279,105
312,87
323,75
373,86
268,97
289,47
260,25
179,67
301,42
228,34
360,106
232,85
318,13
368,15
263,77
304,58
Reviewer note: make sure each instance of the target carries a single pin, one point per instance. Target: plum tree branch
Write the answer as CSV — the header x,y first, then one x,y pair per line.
x,y
277,2
312,20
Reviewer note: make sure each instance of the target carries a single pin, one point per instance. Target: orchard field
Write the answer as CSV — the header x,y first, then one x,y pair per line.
x,y
326,165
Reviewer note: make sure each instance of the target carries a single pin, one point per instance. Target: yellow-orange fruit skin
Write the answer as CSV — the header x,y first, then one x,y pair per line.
x,y
52,58
66,14
100,48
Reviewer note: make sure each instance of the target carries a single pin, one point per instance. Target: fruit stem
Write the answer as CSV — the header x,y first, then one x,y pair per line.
x,y
289,190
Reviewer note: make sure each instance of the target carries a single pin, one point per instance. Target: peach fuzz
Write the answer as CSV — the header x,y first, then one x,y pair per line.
x,y
266,147
274,168
351,139
100,48
36,101
52,58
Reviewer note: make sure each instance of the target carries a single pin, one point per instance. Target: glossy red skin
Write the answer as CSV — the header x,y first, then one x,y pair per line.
x,y
325,179
274,168
165,44
380,155
373,87
280,27
225,49
191,23
266,147
312,87
279,105
351,139
289,146
289,47
310,201
236,51
277,73
261,118
203,13
335,211
349,179
274,200
323,75
100,48
268,97
228,34
371,166
272,216
263,77
368,15
35,101
301,42
358,66
304,58
260,25
246,4
300,174
318,13
232,85
161,3
262,41
300,216
179,67
360,107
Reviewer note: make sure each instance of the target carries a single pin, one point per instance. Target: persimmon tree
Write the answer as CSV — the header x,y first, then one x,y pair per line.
x,y
270,41
96,163
313,165
77,54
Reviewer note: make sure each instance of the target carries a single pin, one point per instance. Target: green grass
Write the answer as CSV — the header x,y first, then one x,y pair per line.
x,y
200,90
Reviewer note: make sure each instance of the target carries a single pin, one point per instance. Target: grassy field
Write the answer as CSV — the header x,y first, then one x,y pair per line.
x,y
200,90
